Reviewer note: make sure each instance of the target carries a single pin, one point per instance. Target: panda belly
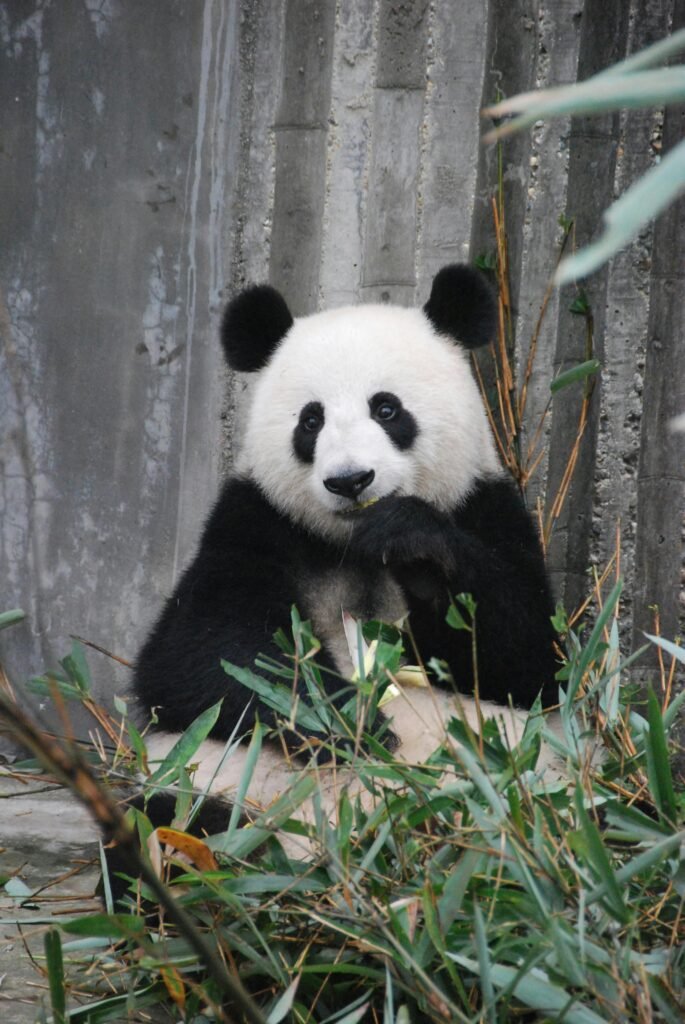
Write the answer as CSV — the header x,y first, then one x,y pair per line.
x,y
366,596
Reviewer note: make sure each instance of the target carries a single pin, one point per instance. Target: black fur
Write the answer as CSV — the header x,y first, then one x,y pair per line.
x,y
254,323
488,548
250,568
401,427
462,305
237,592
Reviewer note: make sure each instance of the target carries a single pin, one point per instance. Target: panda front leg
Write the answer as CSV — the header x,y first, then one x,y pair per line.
x,y
496,558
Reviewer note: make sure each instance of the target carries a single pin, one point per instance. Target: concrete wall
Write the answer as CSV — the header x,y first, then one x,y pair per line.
x,y
156,157
118,166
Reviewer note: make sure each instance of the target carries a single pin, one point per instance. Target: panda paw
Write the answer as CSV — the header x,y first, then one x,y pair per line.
x,y
402,531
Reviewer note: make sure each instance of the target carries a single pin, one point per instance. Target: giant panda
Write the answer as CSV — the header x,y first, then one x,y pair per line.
x,y
368,483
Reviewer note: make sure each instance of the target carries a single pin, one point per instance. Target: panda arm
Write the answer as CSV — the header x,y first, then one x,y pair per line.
x,y
229,602
489,548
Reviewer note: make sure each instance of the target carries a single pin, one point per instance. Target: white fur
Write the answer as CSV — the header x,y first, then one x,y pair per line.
x,y
341,358
419,718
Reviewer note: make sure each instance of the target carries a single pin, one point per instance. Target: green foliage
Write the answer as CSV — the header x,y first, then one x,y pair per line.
x,y
469,889
11,617
633,83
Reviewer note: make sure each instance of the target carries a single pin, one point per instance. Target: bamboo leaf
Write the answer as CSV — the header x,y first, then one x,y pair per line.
x,y
484,964
657,53
658,760
645,861
76,667
253,752
11,617
454,889
53,956
643,201
642,88
114,926
671,712
275,696
580,372
184,748
598,861
284,1003
591,650
675,650
536,991
118,1008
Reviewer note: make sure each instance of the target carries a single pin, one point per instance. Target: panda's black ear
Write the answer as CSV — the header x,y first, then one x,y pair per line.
x,y
462,304
252,326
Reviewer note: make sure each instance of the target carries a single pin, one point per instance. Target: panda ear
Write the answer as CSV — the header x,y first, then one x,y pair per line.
x,y
252,326
462,304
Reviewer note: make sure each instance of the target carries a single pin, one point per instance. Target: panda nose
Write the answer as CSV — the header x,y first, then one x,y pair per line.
x,y
349,485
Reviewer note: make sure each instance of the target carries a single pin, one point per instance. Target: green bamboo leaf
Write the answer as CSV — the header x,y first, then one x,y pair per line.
x,y
657,53
568,953
643,201
389,1000
633,823
536,991
671,712
275,696
454,889
11,617
641,88
658,760
284,1003
591,650
53,957
260,883
251,759
105,926
76,667
579,372
598,861
675,650
645,861
106,887
119,1007
354,1014
481,780
484,964
247,839
184,748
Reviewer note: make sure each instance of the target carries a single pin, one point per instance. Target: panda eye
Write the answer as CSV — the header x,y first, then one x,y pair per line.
x,y
311,417
385,407
386,411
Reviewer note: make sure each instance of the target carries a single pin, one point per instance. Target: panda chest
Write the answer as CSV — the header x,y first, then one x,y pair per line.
x,y
363,595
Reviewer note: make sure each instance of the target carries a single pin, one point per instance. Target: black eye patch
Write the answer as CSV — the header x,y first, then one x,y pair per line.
x,y
398,423
310,422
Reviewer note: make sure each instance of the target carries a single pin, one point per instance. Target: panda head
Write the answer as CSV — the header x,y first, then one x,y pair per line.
x,y
363,402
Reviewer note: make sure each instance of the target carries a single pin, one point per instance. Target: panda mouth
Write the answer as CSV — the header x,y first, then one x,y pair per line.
x,y
357,506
